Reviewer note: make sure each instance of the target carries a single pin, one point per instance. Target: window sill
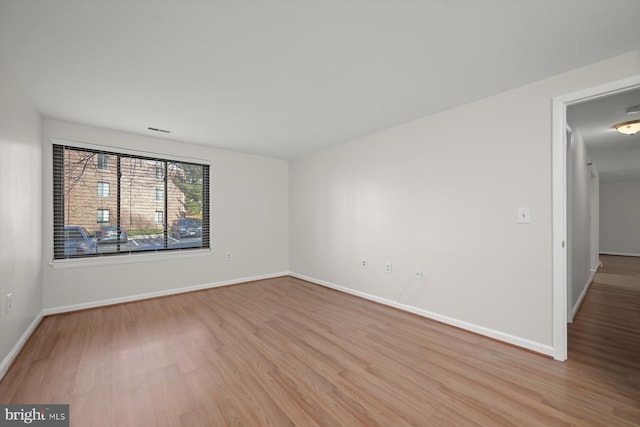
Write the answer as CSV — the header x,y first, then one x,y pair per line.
x,y
128,259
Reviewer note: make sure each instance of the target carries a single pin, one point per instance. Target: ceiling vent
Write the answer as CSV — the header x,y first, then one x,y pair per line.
x,y
159,130
633,110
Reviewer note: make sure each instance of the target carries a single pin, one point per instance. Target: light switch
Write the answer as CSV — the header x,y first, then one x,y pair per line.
x,y
524,215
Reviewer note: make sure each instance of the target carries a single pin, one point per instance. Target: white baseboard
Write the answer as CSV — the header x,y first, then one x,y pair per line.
x,y
129,298
501,336
619,254
583,294
6,363
481,330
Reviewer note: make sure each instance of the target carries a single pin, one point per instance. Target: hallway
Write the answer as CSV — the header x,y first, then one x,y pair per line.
x,y
606,330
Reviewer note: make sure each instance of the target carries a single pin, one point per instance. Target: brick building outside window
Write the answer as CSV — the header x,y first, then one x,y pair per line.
x,y
91,196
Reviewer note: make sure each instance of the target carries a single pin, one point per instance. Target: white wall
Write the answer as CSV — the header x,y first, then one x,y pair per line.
x,y
249,205
442,193
595,219
20,213
579,213
620,218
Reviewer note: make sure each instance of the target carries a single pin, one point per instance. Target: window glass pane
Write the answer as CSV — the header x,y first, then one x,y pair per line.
x,y
83,205
138,203
108,203
184,209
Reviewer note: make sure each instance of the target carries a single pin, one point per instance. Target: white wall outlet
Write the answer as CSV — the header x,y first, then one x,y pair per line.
x,y
388,268
8,303
227,256
419,274
363,263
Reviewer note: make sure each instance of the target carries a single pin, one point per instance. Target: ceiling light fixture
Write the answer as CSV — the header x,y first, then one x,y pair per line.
x,y
628,128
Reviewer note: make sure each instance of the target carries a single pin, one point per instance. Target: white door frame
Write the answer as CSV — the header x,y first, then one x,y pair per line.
x,y
568,243
559,200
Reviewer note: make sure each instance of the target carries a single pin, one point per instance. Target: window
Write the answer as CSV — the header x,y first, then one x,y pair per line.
x,y
103,189
155,211
103,216
103,161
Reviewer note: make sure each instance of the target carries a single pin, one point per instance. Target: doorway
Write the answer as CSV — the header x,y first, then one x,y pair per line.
x,y
560,192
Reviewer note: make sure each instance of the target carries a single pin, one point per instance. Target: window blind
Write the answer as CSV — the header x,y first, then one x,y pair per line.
x,y
111,203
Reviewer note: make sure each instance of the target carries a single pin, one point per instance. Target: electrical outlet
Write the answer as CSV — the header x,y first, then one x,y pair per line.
x,y
8,303
364,263
388,268
227,256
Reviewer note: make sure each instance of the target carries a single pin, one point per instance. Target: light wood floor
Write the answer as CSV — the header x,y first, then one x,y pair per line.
x,y
285,352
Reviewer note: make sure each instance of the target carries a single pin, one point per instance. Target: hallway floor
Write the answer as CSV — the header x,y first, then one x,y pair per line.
x,y
606,329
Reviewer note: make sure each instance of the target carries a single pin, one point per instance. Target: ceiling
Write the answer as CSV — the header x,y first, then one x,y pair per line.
x,y
615,156
285,78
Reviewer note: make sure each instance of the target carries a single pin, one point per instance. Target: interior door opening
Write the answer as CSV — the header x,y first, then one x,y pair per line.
x,y
561,218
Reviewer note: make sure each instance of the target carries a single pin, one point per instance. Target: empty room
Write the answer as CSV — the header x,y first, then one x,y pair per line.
x,y
331,213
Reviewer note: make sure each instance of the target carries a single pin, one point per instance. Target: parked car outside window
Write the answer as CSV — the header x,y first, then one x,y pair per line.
x,y
186,227
108,234
77,241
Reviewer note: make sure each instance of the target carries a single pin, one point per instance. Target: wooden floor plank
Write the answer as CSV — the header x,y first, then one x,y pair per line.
x,y
286,352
